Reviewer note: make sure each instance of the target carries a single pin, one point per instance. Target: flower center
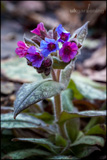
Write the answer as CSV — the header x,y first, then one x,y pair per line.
x,y
38,56
67,50
63,36
51,46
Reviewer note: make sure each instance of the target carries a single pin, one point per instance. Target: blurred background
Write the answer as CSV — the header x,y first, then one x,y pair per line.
x,y
19,17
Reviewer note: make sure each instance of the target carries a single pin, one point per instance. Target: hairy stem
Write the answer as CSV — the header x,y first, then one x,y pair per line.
x,y
57,112
58,107
58,74
53,75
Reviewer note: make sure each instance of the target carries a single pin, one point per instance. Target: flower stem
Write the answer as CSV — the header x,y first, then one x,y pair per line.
x,y
58,74
57,112
58,107
53,75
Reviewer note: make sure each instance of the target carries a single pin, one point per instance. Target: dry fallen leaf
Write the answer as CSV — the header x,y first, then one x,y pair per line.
x,y
83,105
99,76
97,58
7,87
16,69
49,22
95,9
65,17
31,6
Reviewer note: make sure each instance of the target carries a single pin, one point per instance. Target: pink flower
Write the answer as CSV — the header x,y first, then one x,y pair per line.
x,y
40,27
22,50
68,51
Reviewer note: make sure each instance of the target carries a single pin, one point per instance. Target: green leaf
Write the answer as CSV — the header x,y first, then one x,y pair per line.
x,y
34,92
81,33
63,157
77,76
80,134
93,121
97,129
85,90
43,142
16,69
6,109
66,73
89,140
82,151
58,64
67,97
60,141
72,126
75,90
45,116
90,92
8,146
22,154
24,121
69,115
96,120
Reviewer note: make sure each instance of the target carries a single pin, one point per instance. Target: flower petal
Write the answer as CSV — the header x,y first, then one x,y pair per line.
x,y
60,29
38,61
45,52
20,52
21,44
36,31
63,35
66,58
30,57
32,50
73,54
48,40
74,46
40,27
43,44
61,52
57,46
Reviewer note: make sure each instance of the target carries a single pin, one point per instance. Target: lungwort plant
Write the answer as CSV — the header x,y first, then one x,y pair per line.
x,y
53,54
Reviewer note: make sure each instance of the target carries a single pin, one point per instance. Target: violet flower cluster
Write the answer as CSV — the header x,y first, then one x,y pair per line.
x,y
52,41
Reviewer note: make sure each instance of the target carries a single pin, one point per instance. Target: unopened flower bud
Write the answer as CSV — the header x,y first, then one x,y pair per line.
x,y
79,45
75,36
29,63
40,70
36,39
47,71
47,62
55,36
74,40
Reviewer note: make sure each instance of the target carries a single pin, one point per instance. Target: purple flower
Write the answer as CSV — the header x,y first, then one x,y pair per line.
x,y
63,35
34,56
22,50
40,27
48,46
68,51
46,66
